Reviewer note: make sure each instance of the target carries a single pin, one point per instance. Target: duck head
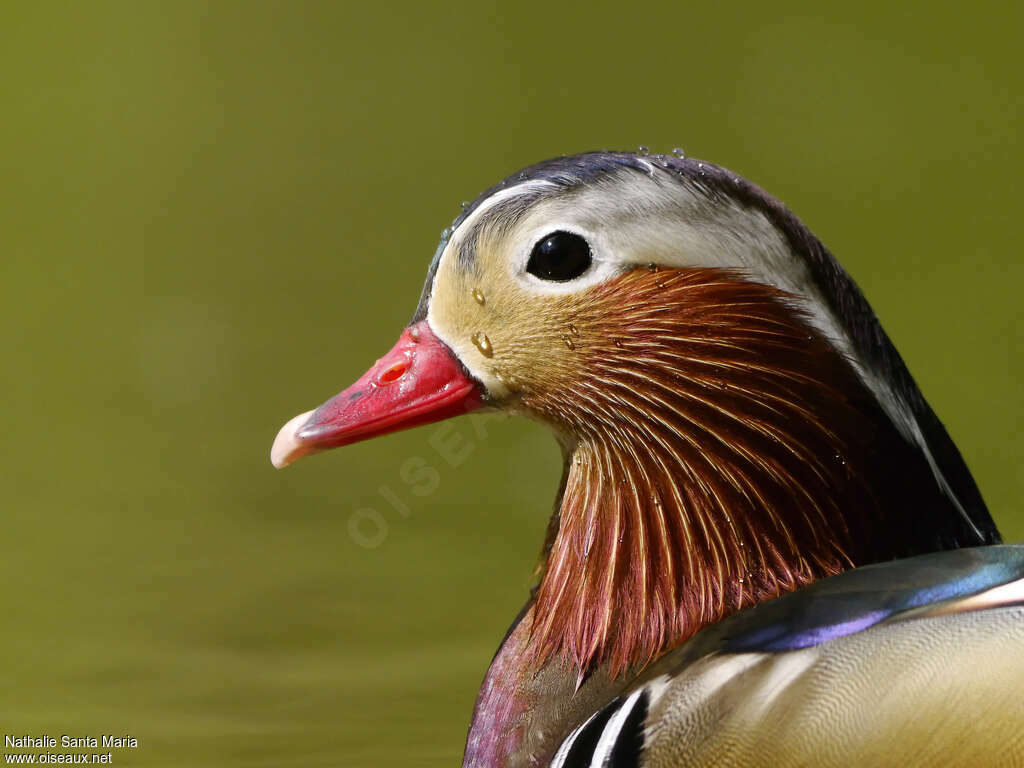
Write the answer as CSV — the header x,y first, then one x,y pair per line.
x,y
734,421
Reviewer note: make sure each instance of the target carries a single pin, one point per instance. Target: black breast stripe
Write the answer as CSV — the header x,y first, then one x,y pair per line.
x,y
612,738
582,752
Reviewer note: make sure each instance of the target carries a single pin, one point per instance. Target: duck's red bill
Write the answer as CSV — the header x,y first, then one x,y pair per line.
x,y
417,382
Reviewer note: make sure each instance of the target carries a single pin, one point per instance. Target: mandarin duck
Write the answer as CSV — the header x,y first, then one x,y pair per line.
x,y
766,549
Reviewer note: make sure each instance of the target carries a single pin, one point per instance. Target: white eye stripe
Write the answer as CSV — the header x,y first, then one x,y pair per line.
x,y
631,219
501,196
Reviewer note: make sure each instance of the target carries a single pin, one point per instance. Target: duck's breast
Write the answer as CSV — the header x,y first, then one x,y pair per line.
x,y
915,662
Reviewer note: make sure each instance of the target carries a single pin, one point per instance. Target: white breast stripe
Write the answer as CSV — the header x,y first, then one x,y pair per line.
x,y
558,761
610,734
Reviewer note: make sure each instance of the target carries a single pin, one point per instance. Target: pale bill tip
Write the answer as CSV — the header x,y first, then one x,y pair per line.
x,y
287,447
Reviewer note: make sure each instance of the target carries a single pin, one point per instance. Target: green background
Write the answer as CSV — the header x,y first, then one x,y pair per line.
x,y
215,215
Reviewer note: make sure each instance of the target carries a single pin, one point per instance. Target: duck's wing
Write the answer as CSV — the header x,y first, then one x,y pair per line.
x,y
914,662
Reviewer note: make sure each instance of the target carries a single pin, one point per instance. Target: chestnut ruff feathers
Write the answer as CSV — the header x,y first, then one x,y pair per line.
x,y
726,454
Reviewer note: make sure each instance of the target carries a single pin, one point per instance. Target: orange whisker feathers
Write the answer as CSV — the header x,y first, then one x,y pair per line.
x,y
721,448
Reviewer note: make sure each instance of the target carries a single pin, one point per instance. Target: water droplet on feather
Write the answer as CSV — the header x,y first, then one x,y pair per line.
x,y
483,344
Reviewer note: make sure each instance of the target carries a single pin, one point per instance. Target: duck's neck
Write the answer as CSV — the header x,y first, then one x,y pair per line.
x,y
719,452
721,457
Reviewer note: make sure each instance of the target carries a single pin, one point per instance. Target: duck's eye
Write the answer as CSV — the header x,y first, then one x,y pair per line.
x,y
560,256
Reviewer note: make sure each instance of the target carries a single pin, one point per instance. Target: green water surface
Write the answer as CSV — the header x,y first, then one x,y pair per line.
x,y
214,215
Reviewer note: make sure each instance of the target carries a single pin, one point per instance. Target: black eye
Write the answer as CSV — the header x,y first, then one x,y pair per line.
x,y
560,256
